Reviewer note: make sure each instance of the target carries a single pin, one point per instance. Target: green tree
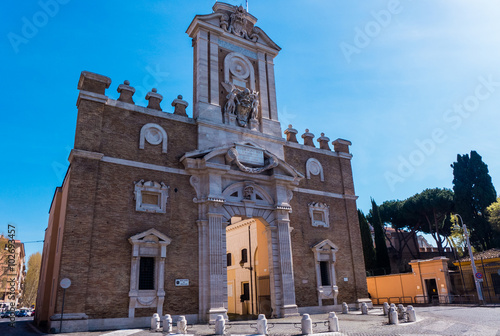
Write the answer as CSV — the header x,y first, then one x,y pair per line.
x,y
31,281
431,212
474,192
493,215
382,256
405,228
366,240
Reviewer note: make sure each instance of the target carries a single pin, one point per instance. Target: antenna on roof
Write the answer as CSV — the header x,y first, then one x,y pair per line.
x,y
247,5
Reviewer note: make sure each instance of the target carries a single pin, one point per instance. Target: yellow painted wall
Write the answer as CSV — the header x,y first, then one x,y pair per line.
x,y
410,287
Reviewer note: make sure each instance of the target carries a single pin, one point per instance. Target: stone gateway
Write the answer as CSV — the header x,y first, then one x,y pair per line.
x,y
213,215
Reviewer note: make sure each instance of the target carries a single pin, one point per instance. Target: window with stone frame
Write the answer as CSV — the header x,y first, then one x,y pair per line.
x,y
319,214
151,196
325,258
147,273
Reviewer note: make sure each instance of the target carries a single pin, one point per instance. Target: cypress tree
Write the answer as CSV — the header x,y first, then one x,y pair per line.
x,y
382,256
474,192
367,242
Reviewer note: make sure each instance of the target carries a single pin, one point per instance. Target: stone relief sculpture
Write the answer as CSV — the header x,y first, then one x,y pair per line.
x,y
242,103
236,25
233,155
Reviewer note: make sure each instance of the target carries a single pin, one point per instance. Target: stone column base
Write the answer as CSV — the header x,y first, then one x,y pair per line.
x,y
214,312
289,310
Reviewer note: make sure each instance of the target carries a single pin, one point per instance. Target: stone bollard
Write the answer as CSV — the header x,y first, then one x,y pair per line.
x,y
262,325
220,325
182,325
412,315
167,323
364,309
393,316
307,326
345,308
386,308
333,322
401,311
155,322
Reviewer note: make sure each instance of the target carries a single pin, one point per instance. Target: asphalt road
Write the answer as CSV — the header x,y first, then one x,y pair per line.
x,y
449,320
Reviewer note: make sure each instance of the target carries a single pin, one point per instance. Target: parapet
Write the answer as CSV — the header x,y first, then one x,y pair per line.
x,y
339,145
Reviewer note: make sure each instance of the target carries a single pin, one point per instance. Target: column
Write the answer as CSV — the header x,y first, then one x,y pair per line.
x,y
214,70
217,262
262,73
203,260
200,71
289,308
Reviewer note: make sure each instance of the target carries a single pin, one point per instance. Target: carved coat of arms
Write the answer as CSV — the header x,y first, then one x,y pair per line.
x,y
242,103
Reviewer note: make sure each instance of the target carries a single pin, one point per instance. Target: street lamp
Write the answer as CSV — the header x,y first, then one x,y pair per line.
x,y
476,280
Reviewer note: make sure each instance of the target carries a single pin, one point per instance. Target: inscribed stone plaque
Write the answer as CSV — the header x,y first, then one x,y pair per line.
x,y
250,155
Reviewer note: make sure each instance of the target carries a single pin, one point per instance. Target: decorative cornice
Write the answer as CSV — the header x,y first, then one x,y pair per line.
x,y
325,193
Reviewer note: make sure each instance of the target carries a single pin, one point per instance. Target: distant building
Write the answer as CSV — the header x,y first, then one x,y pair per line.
x,y
7,296
153,214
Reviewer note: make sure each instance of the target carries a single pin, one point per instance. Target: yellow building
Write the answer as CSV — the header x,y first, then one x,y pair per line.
x,y
248,286
8,293
488,265
428,282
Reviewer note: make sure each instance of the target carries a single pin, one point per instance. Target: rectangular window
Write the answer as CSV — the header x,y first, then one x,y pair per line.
x,y
325,273
246,291
244,255
229,259
147,273
495,279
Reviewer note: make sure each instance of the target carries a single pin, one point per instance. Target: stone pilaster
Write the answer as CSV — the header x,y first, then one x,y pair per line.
x,y
289,307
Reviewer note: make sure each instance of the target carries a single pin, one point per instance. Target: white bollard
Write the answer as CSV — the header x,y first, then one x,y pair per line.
x,y
364,309
401,311
155,322
220,325
386,308
167,323
412,315
345,308
333,322
262,325
182,325
393,316
307,326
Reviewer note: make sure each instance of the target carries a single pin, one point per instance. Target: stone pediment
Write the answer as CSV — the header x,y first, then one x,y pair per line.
x,y
325,245
233,22
245,157
150,236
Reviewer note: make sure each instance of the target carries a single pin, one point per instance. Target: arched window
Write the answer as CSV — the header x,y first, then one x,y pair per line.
x,y
244,255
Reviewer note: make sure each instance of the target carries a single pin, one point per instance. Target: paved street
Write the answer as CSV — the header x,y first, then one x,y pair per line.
x,y
452,320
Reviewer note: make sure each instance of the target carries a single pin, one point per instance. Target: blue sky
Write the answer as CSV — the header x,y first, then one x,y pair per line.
x,y
410,83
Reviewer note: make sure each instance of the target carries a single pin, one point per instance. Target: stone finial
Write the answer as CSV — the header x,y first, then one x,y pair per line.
x,y
180,106
341,145
93,82
126,92
154,99
323,142
308,138
291,134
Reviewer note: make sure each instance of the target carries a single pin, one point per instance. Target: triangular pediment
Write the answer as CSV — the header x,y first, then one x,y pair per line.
x,y
150,236
325,245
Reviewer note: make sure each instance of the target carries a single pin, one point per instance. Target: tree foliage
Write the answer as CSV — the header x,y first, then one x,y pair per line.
x,y
367,242
31,281
382,256
430,211
474,192
493,213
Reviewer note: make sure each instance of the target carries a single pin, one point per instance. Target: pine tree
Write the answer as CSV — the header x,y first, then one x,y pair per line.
x,y
474,192
367,242
382,256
